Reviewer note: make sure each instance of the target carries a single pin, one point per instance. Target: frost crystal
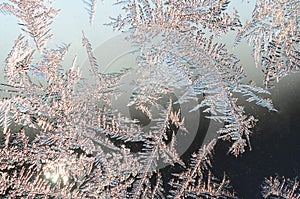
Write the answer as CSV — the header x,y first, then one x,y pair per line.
x,y
35,17
273,32
91,8
62,139
276,187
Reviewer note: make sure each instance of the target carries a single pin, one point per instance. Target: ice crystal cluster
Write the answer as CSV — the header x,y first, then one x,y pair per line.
x,y
62,139
275,187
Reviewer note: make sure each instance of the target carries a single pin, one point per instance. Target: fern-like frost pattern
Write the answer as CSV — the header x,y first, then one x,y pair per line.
x,y
62,139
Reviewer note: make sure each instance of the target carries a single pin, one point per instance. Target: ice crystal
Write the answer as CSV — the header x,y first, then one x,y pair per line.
x,y
91,8
200,67
276,187
34,17
161,16
273,32
192,183
62,139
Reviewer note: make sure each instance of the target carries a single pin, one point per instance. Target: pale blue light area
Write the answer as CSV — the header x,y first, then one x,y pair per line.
x,y
73,18
67,28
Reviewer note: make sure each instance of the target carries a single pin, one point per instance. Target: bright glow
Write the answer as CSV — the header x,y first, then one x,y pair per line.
x,y
56,171
65,179
47,174
55,177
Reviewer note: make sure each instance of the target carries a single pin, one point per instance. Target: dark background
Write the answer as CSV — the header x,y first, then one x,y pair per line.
x,y
275,143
